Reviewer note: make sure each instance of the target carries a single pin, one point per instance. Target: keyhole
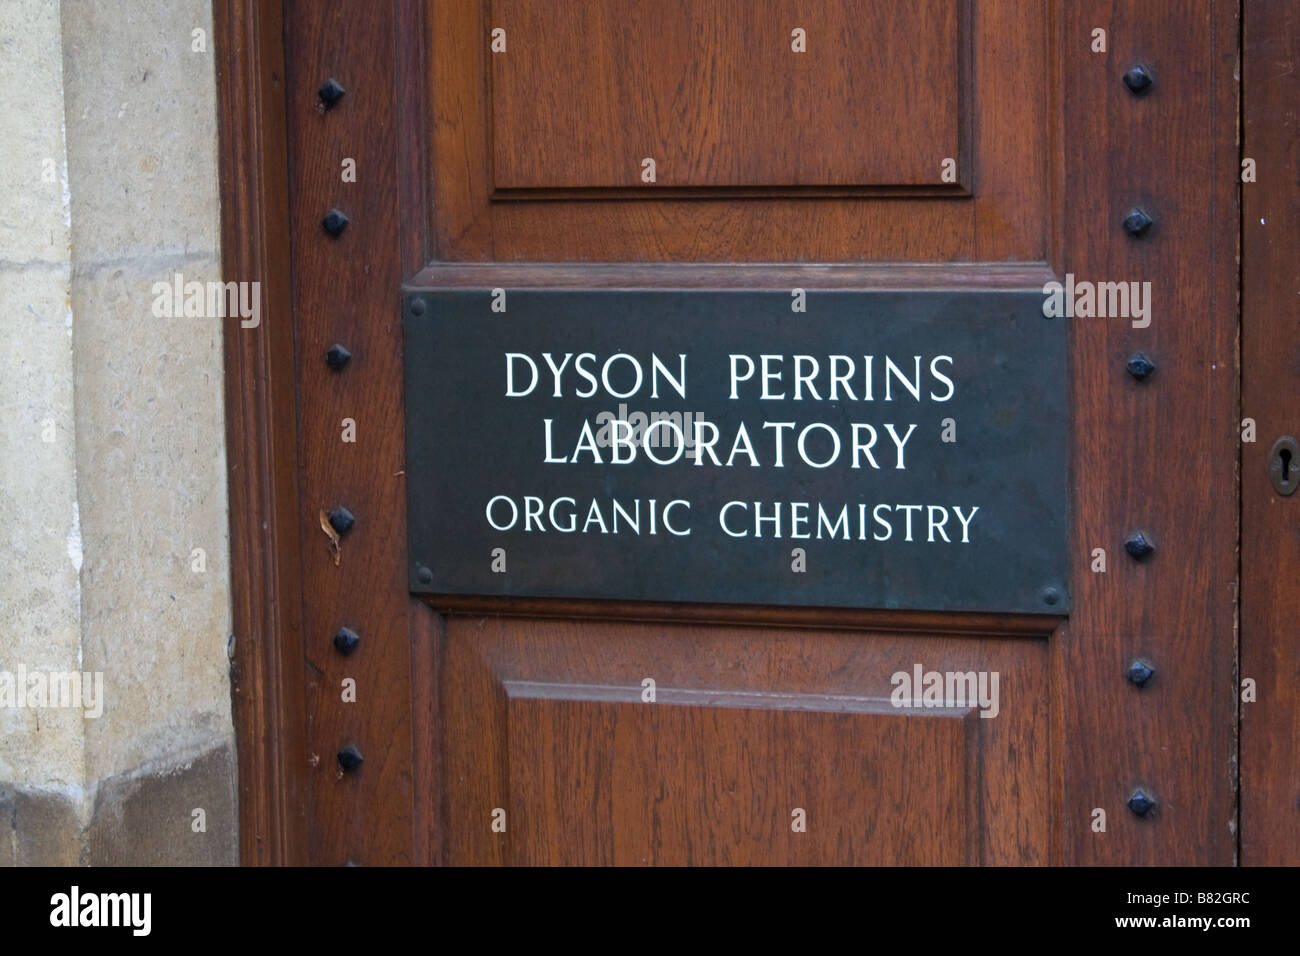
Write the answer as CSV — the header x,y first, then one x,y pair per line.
x,y
1284,453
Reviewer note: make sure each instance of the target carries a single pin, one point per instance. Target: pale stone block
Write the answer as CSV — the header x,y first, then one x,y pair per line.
x,y
40,537
141,109
33,214
152,488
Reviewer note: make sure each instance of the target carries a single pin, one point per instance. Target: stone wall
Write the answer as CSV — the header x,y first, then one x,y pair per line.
x,y
113,512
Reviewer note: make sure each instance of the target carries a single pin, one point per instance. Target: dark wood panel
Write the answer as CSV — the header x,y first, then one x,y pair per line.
x,y
345,291
1270,531
413,183
427,641
729,776
716,96
1157,456
265,583
581,683
1006,165
898,622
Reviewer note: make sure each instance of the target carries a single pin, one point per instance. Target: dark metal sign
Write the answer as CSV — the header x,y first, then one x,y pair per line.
x,y
877,449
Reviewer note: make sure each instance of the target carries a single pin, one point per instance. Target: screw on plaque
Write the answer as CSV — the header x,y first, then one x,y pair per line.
x,y
423,574
1137,223
1138,80
330,92
1139,672
349,758
346,641
417,306
1051,596
1140,367
1140,803
335,222
337,356
1138,547
341,520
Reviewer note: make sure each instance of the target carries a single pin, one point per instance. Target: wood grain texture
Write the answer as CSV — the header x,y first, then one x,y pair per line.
x,y
1158,456
467,706
1006,165
848,619
413,106
265,579
1270,347
716,96
346,290
427,643
583,791
545,720
917,276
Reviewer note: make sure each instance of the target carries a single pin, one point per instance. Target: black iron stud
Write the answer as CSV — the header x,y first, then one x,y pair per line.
x,y
349,758
346,641
341,520
1139,366
1138,547
337,356
424,575
417,307
1139,672
1051,596
1137,223
335,222
330,92
1138,80
1140,803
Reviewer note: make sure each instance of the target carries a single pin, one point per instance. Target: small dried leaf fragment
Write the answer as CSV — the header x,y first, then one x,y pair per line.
x,y
331,534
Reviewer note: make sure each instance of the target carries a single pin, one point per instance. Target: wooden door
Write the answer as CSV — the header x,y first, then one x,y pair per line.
x,y
1270,515
950,145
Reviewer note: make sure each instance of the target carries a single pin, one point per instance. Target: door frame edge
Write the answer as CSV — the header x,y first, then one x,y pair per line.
x,y
266,649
